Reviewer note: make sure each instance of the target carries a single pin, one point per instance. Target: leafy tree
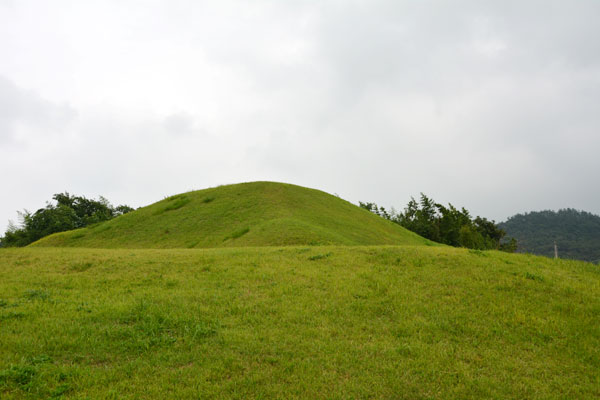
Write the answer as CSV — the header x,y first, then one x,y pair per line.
x,y
69,212
369,206
122,209
469,237
446,224
451,222
509,246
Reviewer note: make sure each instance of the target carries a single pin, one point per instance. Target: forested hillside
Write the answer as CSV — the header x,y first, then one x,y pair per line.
x,y
577,233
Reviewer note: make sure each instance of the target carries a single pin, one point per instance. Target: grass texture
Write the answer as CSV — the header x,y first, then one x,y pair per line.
x,y
326,322
247,214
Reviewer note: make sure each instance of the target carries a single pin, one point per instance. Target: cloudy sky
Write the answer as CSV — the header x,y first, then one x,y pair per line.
x,y
491,105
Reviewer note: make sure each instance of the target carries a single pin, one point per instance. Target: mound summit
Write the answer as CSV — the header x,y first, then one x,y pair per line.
x,y
245,214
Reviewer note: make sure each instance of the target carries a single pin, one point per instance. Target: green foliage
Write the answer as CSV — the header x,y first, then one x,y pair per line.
x,y
510,246
382,212
69,212
447,225
576,233
122,209
468,237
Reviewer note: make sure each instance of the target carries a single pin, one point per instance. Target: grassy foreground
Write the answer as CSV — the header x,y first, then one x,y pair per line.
x,y
245,214
297,322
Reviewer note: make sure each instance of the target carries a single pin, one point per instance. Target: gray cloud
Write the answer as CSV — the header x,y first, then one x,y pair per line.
x,y
23,111
485,104
180,123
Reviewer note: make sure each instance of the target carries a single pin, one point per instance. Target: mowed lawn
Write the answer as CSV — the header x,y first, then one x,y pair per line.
x,y
297,322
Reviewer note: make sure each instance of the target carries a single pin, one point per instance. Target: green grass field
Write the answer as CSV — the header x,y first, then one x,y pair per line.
x,y
247,214
330,322
175,300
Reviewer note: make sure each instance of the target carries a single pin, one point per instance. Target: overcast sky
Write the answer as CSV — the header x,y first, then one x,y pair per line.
x,y
490,105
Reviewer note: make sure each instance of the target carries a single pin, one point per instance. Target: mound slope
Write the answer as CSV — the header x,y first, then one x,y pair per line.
x,y
246,214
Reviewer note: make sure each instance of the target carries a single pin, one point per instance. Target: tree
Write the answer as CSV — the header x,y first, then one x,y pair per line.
x,y
69,212
509,246
446,224
370,207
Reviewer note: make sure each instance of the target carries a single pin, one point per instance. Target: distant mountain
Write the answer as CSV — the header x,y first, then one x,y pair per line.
x,y
576,233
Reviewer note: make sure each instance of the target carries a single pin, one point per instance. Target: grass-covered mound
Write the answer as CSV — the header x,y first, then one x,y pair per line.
x,y
412,322
247,214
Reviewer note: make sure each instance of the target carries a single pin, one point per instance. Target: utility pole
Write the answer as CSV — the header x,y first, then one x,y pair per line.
x,y
555,250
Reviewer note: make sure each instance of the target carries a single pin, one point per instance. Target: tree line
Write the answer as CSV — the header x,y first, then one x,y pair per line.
x,y
69,212
447,224
434,221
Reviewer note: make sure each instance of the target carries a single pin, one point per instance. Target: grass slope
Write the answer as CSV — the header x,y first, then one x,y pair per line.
x,y
412,322
247,214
